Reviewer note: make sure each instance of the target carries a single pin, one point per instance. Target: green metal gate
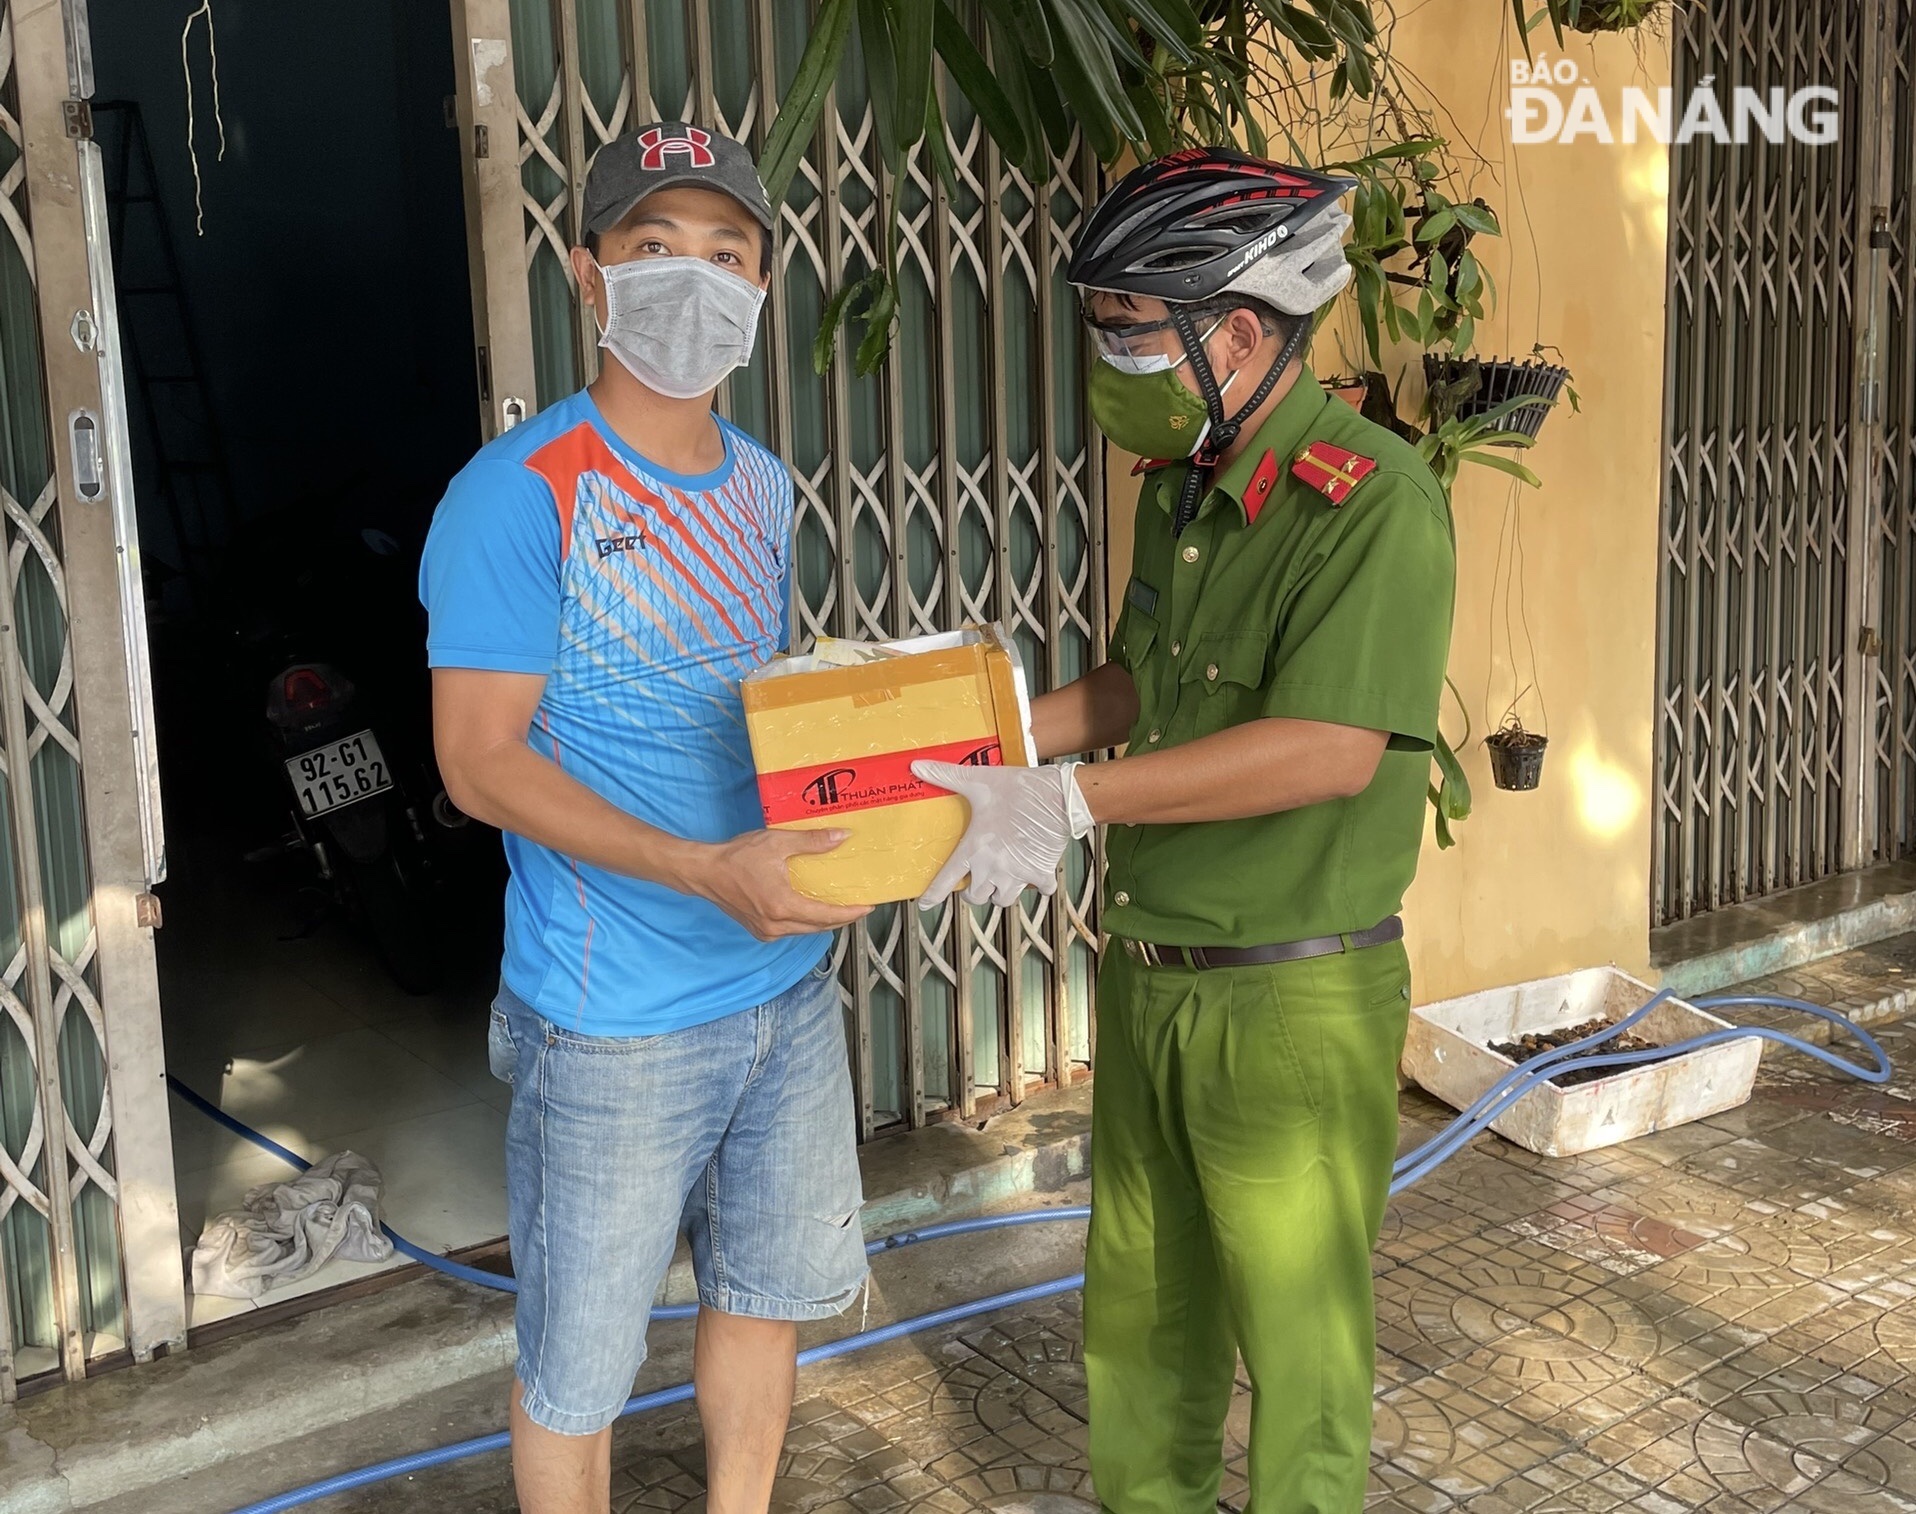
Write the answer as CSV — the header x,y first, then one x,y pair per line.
x,y
960,482
89,1239
1786,709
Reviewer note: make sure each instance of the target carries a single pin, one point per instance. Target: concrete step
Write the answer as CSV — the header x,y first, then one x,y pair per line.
x,y
1786,930
170,1422
1873,984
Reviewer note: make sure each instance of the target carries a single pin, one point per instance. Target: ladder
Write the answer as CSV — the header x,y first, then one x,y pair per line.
x,y
179,456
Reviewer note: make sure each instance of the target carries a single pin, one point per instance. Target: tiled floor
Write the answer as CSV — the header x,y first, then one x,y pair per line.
x,y
1720,1317
290,1025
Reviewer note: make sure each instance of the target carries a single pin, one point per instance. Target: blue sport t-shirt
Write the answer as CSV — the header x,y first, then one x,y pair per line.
x,y
642,596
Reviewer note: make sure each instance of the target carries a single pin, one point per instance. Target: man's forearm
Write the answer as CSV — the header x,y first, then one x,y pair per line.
x,y
1090,714
1254,769
512,787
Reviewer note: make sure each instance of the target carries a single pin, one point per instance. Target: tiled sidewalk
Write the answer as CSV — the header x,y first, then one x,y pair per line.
x,y
1721,1317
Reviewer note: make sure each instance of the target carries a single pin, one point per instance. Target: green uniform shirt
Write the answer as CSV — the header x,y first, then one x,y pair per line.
x,y
1299,608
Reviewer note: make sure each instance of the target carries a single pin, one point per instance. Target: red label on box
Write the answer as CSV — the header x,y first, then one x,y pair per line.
x,y
864,783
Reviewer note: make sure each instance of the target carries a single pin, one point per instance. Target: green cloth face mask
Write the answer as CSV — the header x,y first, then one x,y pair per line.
x,y
1150,414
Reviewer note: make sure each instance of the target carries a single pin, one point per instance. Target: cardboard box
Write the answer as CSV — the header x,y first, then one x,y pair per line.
x,y
834,745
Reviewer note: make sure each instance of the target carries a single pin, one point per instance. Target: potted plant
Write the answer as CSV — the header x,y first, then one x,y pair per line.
x,y
1516,755
1459,439
1589,16
1415,277
1467,388
1351,389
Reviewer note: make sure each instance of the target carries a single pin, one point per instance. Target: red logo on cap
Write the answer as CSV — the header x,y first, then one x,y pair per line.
x,y
695,146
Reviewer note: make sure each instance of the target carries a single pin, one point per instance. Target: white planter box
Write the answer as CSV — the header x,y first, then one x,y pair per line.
x,y
1448,1053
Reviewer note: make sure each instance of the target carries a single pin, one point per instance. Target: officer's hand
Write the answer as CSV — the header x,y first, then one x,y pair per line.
x,y
748,878
1022,819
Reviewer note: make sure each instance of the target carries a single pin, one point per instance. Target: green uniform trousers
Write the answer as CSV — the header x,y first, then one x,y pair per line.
x,y
1244,1122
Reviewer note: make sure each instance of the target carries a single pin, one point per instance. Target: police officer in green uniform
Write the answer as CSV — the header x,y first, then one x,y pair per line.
x,y
1274,680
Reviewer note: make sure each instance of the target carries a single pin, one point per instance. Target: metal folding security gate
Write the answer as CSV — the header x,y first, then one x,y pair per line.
x,y
1786,699
89,1238
955,484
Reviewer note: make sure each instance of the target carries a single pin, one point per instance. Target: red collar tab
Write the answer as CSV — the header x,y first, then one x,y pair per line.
x,y
1332,471
1151,464
1258,491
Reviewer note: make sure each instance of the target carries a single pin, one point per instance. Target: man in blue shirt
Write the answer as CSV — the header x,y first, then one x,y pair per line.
x,y
599,579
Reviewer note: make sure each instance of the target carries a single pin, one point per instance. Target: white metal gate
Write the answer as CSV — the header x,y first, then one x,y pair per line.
x,y
1786,712
89,1237
958,483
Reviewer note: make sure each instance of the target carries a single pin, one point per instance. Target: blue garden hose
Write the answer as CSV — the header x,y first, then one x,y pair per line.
x,y
504,1284
1410,1168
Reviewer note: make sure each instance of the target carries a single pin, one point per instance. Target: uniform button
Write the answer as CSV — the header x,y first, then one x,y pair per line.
x,y
1176,647
1120,897
1190,554
1155,733
1211,672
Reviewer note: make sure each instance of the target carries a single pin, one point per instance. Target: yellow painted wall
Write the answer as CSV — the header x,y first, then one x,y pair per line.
x,y
1556,879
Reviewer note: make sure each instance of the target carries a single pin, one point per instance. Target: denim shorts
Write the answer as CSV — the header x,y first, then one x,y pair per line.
x,y
739,1133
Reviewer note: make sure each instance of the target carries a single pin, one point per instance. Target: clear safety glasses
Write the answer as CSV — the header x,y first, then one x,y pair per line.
x,y
1140,347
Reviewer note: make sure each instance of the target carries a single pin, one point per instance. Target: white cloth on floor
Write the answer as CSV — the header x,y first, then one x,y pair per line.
x,y
288,1230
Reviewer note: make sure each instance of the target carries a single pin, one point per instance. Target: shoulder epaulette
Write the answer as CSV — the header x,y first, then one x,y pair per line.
x,y
1332,471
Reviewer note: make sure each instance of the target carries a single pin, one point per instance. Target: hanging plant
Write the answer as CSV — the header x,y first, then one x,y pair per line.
x,y
1456,440
1521,393
1414,276
1516,755
1587,16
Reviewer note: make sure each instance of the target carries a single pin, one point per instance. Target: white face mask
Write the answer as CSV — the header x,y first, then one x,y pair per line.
x,y
679,325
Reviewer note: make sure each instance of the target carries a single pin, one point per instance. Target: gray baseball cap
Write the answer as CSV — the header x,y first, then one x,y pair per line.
x,y
669,153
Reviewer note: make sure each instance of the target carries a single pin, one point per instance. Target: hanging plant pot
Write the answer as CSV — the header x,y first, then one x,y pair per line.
x,y
1516,756
1466,387
1352,391
1592,16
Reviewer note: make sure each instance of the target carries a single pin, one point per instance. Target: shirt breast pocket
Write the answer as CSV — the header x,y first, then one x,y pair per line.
x,y
1222,679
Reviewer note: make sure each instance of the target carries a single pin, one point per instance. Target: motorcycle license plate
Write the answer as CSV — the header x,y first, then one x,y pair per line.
x,y
339,774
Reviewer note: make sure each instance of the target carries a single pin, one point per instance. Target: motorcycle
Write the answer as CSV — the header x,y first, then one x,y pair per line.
x,y
338,655
355,818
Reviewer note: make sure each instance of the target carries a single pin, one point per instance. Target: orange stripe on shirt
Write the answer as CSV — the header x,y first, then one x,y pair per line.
x,y
664,553
583,450
745,573
749,532
560,462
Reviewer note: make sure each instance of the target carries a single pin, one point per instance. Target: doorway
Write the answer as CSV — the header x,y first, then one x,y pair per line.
x,y
288,240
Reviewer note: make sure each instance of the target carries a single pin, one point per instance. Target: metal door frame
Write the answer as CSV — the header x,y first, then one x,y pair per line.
x,y
84,534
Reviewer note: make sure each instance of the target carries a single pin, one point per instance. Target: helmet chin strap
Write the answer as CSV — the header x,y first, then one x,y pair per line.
x,y
1223,429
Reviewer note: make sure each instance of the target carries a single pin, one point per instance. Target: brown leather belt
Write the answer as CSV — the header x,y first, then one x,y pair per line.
x,y
1263,956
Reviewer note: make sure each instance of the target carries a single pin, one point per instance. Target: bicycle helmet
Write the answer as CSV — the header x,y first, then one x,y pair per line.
x,y
1197,226
1210,220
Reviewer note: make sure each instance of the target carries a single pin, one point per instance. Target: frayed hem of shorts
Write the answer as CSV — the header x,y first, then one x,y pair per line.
x,y
543,1414
752,1306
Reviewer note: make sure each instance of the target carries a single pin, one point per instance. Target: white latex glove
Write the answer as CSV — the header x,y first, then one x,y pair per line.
x,y
1022,819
